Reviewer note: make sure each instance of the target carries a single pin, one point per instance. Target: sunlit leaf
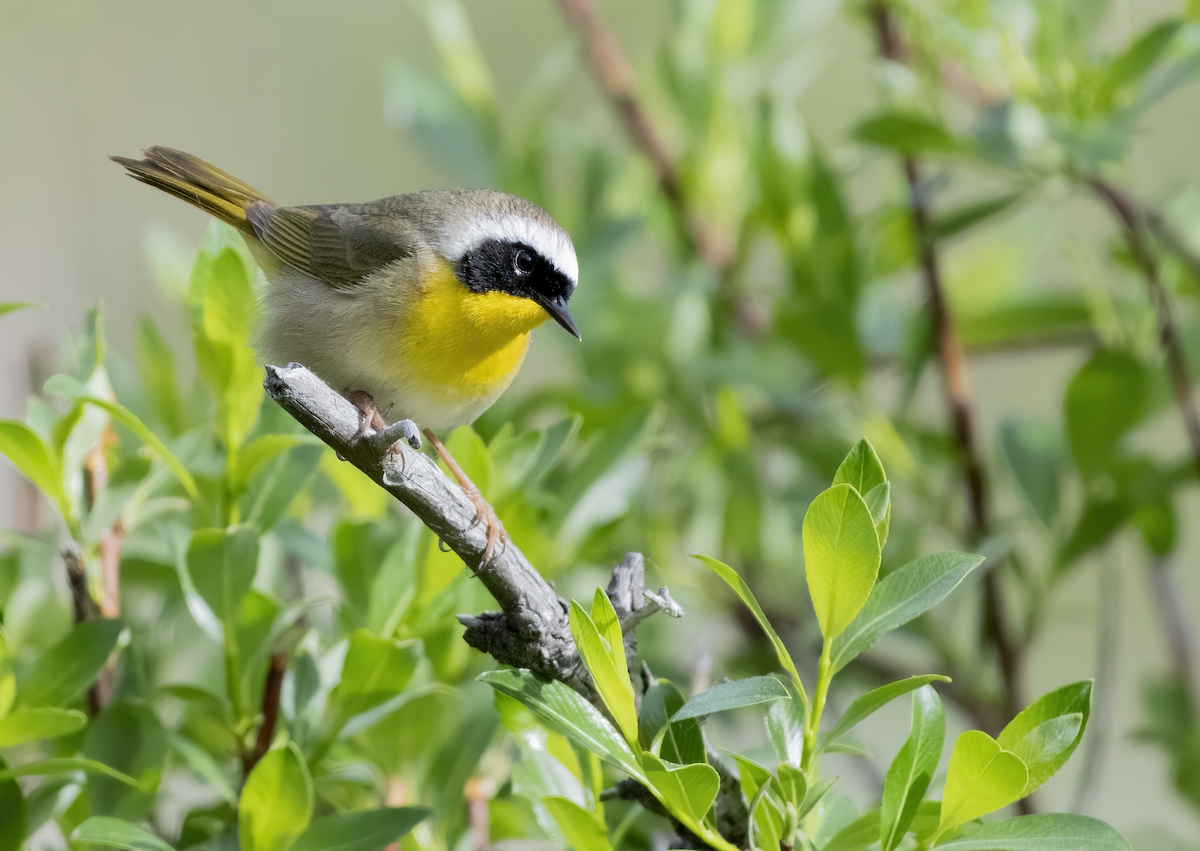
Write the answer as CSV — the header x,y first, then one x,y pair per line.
x,y
276,802
841,556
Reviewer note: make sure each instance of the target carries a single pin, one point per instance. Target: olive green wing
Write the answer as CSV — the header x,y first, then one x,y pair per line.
x,y
340,244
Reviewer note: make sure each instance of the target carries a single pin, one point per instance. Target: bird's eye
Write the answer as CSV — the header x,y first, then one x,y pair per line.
x,y
523,262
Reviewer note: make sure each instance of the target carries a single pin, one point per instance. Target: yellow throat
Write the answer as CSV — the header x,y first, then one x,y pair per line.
x,y
452,339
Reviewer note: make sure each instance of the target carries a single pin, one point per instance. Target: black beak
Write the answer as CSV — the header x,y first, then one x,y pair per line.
x,y
557,308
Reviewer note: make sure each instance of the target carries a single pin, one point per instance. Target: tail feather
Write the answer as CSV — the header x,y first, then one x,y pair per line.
x,y
197,182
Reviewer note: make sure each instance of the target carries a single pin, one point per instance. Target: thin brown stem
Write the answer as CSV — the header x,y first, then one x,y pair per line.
x,y
614,75
276,668
1136,224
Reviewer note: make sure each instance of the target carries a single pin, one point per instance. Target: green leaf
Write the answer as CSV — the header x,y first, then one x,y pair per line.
x,y
612,682
899,597
765,806
688,791
277,801
981,778
221,564
1035,454
608,625
13,815
814,794
861,468
366,830
1040,832
879,503
156,368
1046,733
59,765
911,771
1138,60
733,694
565,711
375,671
117,833
28,725
202,762
841,556
129,738
21,445
794,783
857,835
1040,315
10,306
907,133
743,591
583,829
951,223
873,700
257,453
682,741
66,670
1103,401
64,385
785,728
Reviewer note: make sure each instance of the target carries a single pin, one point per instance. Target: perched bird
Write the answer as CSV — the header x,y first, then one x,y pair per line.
x,y
417,307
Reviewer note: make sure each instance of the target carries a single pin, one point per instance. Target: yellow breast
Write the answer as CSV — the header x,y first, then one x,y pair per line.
x,y
456,341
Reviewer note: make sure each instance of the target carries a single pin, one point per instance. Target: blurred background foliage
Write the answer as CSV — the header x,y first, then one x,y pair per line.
x,y
752,301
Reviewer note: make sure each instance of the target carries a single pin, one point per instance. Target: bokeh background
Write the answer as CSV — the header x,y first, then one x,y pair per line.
x,y
314,102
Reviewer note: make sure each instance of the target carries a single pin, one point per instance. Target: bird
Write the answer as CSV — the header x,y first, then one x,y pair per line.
x,y
417,307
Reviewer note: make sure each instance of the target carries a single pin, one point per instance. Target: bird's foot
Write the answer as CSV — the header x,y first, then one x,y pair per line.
x,y
484,513
384,437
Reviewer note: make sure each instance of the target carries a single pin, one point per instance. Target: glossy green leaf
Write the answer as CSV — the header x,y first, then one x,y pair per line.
x,y
681,741
366,830
565,711
913,768
222,564
1103,401
28,725
608,625
766,808
857,835
375,670
67,669
117,833
910,134
733,694
21,445
129,738
1046,733
785,729
747,597
899,597
841,556
793,783
1040,832
277,801
879,503
869,703
583,829
1035,454
64,385
13,814
861,468
688,791
814,794
981,778
612,682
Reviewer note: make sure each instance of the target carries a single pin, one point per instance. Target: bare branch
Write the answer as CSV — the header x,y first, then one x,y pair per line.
x,y
615,77
1136,223
955,380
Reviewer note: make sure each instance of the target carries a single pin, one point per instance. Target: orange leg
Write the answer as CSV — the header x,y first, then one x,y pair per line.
x,y
483,511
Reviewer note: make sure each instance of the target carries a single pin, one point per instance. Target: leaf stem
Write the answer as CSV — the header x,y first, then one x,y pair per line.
x,y
824,677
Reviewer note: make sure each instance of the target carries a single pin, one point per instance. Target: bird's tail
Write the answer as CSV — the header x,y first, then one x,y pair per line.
x,y
195,181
